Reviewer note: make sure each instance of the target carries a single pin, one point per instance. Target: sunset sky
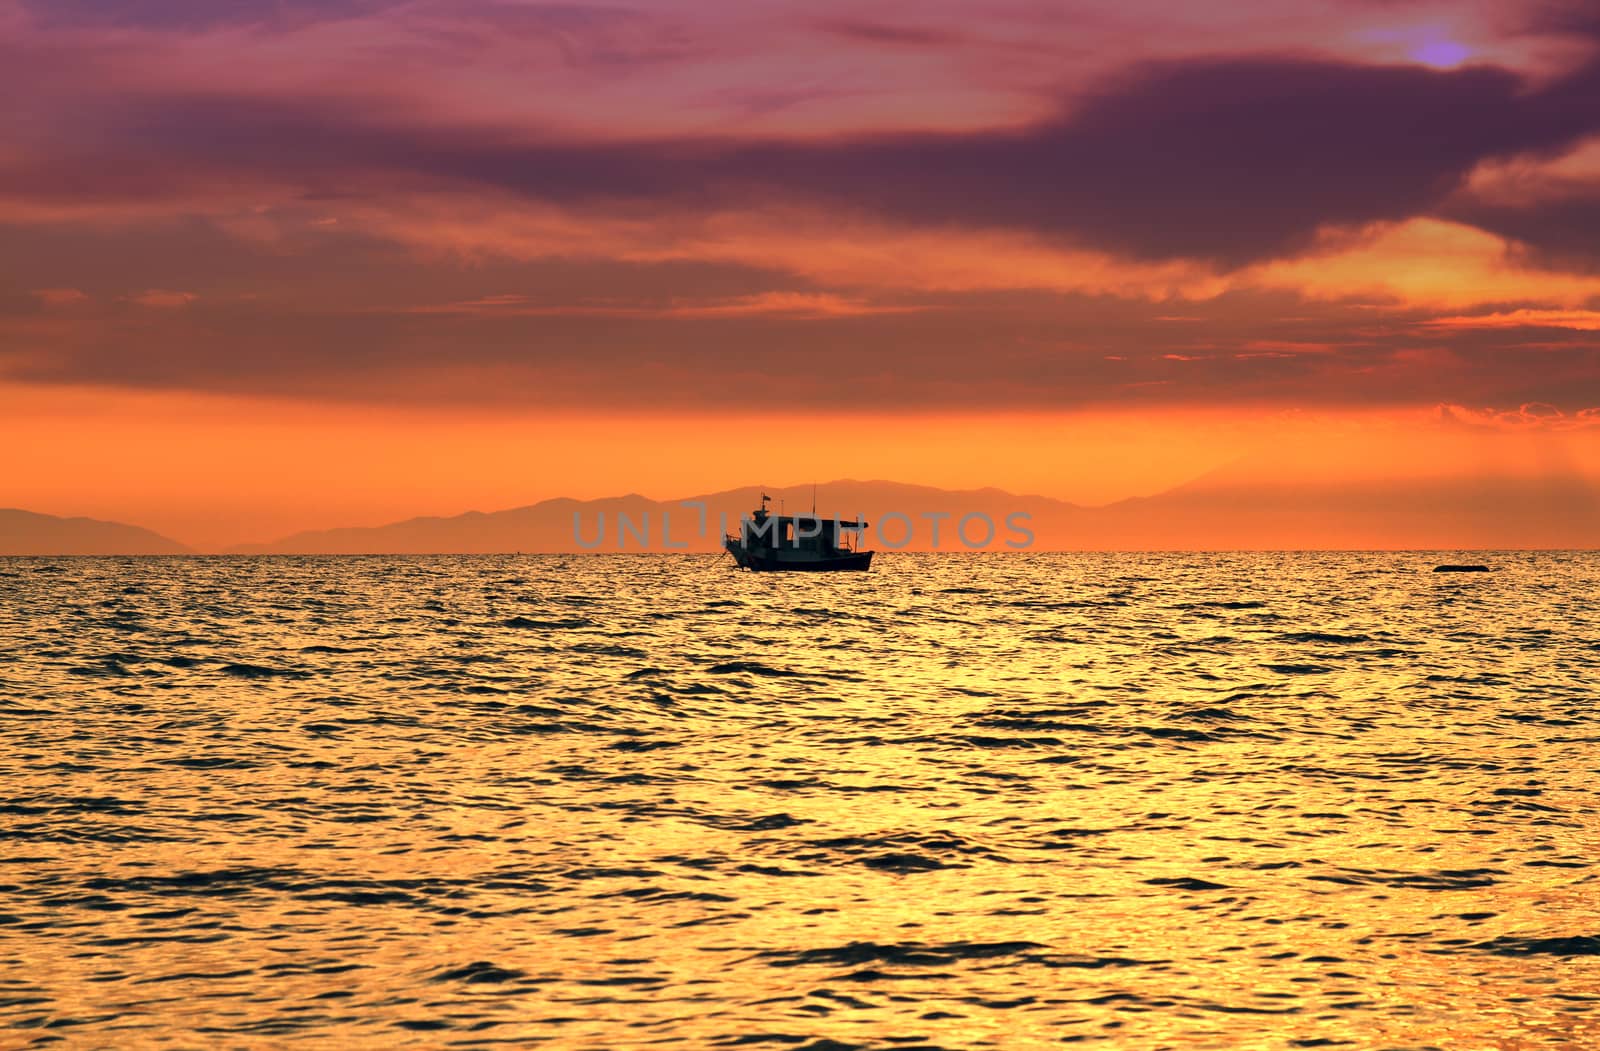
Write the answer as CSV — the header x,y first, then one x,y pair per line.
x,y
275,264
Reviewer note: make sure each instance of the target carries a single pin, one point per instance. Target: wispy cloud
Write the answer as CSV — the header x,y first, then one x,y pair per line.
x,y
1530,417
61,297
162,299
782,305
1578,320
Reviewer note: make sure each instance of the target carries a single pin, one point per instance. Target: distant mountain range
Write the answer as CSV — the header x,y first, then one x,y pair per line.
x,y
1220,511
1228,509
565,525
27,533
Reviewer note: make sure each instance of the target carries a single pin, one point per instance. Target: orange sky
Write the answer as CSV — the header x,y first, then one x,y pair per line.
x,y
263,469
274,266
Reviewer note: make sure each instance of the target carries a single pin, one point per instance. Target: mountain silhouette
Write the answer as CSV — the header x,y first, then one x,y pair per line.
x,y
29,533
1233,509
1227,509
550,525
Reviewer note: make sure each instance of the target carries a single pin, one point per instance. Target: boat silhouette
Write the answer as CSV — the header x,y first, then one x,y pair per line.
x,y
795,543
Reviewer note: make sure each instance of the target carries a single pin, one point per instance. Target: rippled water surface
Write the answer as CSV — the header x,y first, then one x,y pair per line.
x,y
962,801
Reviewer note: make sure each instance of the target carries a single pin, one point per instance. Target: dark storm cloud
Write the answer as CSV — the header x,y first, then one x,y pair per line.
x,y
1560,227
1562,233
1235,160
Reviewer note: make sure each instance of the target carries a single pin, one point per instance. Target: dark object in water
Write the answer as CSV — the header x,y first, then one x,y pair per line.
x,y
1460,568
770,542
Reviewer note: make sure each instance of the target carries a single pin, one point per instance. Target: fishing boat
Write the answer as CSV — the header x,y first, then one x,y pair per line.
x,y
803,543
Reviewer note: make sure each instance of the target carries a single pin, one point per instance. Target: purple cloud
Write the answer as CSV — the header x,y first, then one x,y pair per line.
x,y
1230,160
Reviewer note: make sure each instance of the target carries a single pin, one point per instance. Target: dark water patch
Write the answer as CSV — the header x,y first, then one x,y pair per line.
x,y
1245,1009
1186,883
598,649
1323,636
899,853
1176,733
1573,945
262,671
634,744
794,1040
1091,963
1474,678
201,976
1447,879
981,741
1298,669
210,762
904,954
1213,714
213,883
792,784
773,870
638,778
658,895
872,974
74,805
43,832
320,648
752,668
936,841
1045,719
480,972
611,873
744,823
531,624
906,862
1067,838
695,688
1039,725
106,669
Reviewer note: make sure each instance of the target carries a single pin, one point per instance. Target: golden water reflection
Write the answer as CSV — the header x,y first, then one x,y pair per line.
x,y
963,801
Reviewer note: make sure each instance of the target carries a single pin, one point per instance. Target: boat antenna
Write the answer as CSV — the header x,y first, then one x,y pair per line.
x,y
813,499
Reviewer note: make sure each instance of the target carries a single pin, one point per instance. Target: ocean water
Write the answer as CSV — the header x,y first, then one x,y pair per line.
x,y
963,801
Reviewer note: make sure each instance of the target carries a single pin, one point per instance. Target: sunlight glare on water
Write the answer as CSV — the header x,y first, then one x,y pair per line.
x,y
1231,801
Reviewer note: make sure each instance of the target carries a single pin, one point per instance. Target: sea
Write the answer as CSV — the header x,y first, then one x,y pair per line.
x,y
974,800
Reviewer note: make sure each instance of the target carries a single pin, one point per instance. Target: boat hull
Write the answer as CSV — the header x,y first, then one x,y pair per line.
x,y
859,563
772,561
